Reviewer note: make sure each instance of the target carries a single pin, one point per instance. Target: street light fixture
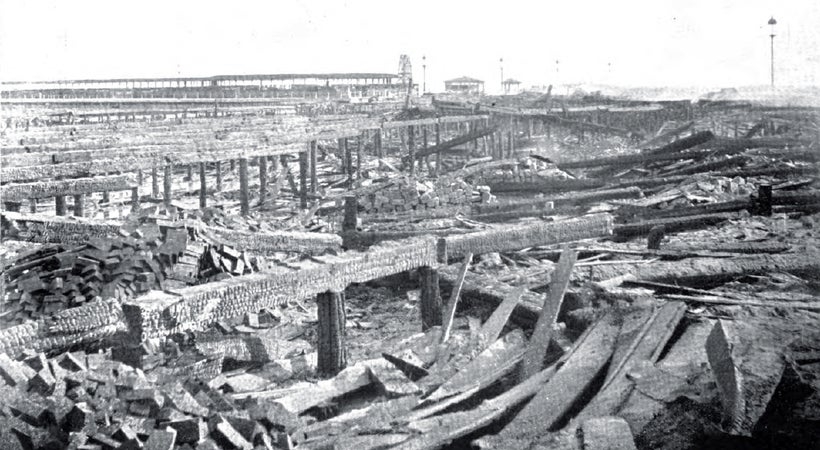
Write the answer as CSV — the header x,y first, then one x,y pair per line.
x,y
772,23
501,63
424,74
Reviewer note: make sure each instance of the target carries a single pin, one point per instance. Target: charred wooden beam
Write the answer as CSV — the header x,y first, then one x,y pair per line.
x,y
522,236
269,243
22,191
430,298
688,142
244,194
332,351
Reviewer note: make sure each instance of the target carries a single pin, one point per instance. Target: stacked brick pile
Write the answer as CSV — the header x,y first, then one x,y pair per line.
x,y
406,194
91,401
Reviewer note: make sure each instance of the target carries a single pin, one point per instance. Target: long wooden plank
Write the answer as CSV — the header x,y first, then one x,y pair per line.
x,y
542,334
22,191
561,393
450,313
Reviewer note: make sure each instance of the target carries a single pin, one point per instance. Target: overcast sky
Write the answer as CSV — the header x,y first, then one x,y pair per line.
x,y
714,43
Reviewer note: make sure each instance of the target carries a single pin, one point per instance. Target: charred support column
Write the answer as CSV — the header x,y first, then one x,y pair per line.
x,y
472,129
342,149
32,205
351,217
219,176
359,143
189,171
493,151
764,200
203,186
438,154
135,199
377,142
303,175
12,206
411,147
314,179
154,183
244,198
59,205
139,177
166,185
263,178
332,354
233,165
79,205
430,298
106,200
424,146
529,129
348,162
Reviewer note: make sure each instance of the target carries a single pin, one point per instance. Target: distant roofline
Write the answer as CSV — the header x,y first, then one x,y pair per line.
x,y
464,79
281,76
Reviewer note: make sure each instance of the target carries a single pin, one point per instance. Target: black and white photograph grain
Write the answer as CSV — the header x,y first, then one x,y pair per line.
x,y
372,225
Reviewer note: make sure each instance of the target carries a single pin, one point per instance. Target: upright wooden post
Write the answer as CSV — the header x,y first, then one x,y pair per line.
x,y
203,186
314,178
348,162
189,171
32,205
473,128
154,183
411,147
424,146
438,141
135,199
139,178
303,174
377,142
764,200
332,354
79,205
219,176
529,128
166,184
342,149
351,217
431,313
244,195
493,151
359,143
263,178
59,204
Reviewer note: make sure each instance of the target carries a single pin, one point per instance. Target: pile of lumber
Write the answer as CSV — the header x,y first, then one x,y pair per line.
x,y
405,194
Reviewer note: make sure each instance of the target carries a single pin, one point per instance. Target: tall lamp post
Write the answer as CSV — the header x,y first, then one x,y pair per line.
x,y
424,74
772,23
501,63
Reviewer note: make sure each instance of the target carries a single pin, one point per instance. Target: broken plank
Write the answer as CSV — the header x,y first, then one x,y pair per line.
x,y
449,315
541,335
562,392
747,362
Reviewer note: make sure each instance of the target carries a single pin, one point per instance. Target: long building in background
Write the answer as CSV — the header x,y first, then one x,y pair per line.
x,y
376,86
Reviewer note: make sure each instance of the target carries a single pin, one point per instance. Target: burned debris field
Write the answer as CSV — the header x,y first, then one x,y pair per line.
x,y
223,266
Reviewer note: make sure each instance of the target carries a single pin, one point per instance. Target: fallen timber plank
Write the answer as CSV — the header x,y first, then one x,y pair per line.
x,y
707,166
91,322
160,314
542,333
642,228
43,228
633,159
455,142
531,235
666,135
488,289
552,186
699,272
554,400
646,346
747,362
74,186
127,162
455,293
494,361
698,138
573,198
280,241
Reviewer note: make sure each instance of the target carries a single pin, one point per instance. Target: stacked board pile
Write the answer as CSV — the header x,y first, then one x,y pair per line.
x,y
140,258
525,169
407,194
